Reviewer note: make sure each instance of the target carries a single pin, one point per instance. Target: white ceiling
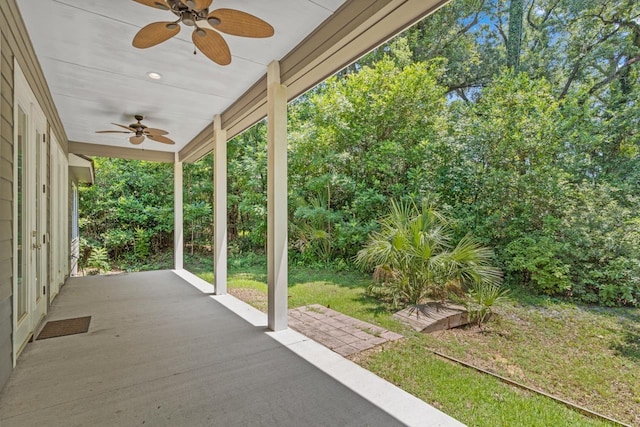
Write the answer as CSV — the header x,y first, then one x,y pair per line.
x,y
97,77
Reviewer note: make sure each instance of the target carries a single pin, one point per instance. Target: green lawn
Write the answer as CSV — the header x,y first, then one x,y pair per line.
x,y
590,356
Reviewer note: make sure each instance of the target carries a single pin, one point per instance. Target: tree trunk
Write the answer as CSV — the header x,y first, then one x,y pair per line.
x,y
514,41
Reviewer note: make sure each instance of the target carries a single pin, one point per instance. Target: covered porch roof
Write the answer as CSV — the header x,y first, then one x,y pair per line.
x,y
96,77
161,350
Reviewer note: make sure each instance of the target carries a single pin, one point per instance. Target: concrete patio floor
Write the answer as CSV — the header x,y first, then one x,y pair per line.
x,y
162,351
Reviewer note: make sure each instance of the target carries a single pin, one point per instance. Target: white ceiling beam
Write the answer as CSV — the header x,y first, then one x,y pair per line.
x,y
97,150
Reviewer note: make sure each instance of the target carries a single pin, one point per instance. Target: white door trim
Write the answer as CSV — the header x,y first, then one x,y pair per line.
x,y
33,224
59,208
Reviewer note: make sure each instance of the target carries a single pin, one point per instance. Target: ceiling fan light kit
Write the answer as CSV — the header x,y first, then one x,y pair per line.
x,y
188,19
194,13
213,21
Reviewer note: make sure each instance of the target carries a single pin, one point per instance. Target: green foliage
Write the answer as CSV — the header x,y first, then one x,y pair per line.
x,y
198,220
85,252
604,236
154,261
482,298
313,227
128,195
247,156
117,241
355,143
99,260
141,246
413,255
538,261
589,253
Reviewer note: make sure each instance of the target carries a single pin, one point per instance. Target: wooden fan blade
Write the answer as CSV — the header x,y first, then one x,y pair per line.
x,y
152,131
212,45
238,23
197,4
158,4
135,139
160,138
126,127
155,33
111,131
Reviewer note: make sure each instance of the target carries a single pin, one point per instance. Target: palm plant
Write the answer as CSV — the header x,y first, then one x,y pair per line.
x,y
414,258
481,298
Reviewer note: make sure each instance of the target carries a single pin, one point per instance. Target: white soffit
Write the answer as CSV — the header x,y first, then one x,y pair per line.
x,y
97,77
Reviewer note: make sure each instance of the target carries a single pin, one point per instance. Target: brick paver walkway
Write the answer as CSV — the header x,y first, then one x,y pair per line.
x,y
339,332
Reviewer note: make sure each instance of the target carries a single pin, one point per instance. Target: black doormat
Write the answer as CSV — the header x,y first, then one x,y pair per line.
x,y
60,328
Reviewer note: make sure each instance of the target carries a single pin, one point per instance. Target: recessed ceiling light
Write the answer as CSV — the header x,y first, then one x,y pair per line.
x,y
155,76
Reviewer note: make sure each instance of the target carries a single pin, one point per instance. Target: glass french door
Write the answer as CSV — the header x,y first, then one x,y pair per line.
x,y
30,286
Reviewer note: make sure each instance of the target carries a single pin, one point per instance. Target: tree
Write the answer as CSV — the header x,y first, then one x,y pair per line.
x,y
361,139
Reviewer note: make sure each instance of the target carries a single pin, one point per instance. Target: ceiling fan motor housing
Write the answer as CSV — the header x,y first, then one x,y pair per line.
x,y
182,10
139,127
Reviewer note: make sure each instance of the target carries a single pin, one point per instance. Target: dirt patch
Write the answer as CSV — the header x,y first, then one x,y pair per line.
x,y
481,349
252,297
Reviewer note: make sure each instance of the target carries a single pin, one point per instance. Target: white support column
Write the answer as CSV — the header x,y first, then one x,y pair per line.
x,y
220,206
178,239
277,217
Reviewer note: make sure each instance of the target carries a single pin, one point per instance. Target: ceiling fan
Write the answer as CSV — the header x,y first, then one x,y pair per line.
x,y
140,131
194,13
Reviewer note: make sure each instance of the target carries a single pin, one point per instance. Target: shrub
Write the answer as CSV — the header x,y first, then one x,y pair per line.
x,y
602,229
99,260
538,262
117,241
414,258
141,245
